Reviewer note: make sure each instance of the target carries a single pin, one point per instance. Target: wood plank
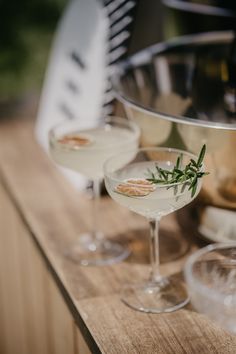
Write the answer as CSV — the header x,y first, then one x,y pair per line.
x,y
80,344
34,317
12,314
119,329
60,324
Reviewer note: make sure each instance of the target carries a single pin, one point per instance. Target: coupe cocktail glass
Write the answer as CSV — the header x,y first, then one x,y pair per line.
x,y
85,151
125,180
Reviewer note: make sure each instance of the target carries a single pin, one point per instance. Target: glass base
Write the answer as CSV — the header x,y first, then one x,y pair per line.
x,y
164,295
89,252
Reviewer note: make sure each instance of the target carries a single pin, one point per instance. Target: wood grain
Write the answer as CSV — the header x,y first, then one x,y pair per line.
x,y
34,317
119,329
54,214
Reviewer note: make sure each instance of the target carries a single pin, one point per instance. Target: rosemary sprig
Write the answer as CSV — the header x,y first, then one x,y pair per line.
x,y
189,174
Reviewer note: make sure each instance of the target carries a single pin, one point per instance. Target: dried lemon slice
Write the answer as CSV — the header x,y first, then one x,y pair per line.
x,y
75,140
135,187
141,182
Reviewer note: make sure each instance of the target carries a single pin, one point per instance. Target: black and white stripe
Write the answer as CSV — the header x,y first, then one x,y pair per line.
x,y
121,14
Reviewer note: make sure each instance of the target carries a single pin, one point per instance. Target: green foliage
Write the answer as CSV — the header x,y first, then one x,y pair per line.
x,y
189,174
26,29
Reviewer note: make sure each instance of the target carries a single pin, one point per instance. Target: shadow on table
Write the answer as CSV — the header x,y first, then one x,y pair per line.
x,y
173,245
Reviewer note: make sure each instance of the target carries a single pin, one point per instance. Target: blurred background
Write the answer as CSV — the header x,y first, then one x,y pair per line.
x,y
26,32
27,28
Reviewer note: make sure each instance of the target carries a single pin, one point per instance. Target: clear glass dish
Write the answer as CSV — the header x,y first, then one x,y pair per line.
x,y
210,275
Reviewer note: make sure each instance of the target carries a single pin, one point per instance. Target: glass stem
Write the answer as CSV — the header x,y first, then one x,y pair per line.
x,y
154,250
96,190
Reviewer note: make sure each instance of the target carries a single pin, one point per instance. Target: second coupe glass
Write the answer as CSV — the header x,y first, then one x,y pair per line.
x,y
85,151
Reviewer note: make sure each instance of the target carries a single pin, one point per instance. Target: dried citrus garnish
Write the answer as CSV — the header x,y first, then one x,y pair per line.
x,y
75,140
135,187
141,182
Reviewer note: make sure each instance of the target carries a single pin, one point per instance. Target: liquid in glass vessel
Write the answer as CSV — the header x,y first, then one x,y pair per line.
x,y
127,182
84,151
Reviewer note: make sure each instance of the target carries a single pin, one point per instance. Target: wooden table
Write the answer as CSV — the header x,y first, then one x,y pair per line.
x,y
48,303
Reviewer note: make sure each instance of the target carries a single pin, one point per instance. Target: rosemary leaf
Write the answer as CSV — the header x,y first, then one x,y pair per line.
x,y
188,175
194,188
201,156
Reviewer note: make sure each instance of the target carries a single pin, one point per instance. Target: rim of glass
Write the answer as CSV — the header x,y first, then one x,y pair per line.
x,y
128,122
155,149
188,268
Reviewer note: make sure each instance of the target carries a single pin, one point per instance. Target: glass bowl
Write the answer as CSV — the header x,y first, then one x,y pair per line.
x,y
210,275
